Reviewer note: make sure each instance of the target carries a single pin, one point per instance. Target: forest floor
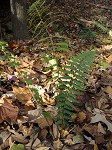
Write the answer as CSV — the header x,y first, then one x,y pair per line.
x,y
23,126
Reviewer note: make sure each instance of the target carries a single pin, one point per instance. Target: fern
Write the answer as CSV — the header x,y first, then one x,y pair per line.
x,y
40,18
72,84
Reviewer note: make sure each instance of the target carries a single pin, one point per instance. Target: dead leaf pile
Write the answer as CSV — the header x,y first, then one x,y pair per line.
x,y
28,91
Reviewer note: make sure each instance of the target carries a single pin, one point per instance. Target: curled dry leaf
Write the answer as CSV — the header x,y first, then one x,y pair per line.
x,y
57,144
8,112
101,118
69,142
64,133
56,131
18,137
24,95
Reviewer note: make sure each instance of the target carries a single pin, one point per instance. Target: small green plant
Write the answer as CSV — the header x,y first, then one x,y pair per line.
x,y
40,17
72,83
70,78
7,55
3,45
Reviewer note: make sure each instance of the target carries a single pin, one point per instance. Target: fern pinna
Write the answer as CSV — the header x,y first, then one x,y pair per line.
x,y
72,83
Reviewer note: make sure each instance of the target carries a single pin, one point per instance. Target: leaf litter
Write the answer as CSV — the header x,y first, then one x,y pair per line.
x,y
23,121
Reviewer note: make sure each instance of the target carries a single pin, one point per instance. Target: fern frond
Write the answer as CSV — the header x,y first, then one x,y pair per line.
x,y
71,85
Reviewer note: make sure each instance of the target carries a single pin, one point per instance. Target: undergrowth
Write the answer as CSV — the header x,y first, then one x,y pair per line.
x,y
69,77
72,83
40,18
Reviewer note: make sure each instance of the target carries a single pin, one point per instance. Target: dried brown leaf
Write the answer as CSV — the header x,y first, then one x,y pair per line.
x,y
78,139
34,114
44,122
64,133
57,144
56,131
109,59
101,129
43,133
81,116
18,136
101,117
37,143
96,147
108,90
8,112
24,95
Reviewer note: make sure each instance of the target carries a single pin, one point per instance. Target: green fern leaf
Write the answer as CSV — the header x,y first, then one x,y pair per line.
x,y
76,72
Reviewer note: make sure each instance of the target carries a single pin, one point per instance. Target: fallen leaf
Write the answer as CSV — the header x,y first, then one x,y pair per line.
x,y
109,145
4,136
109,59
9,94
8,112
69,142
26,131
101,102
70,136
99,138
37,143
88,138
101,117
101,129
108,90
24,95
56,131
64,133
78,139
43,133
18,137
81,116
96,147
33,115
57,144
22,119
44,122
